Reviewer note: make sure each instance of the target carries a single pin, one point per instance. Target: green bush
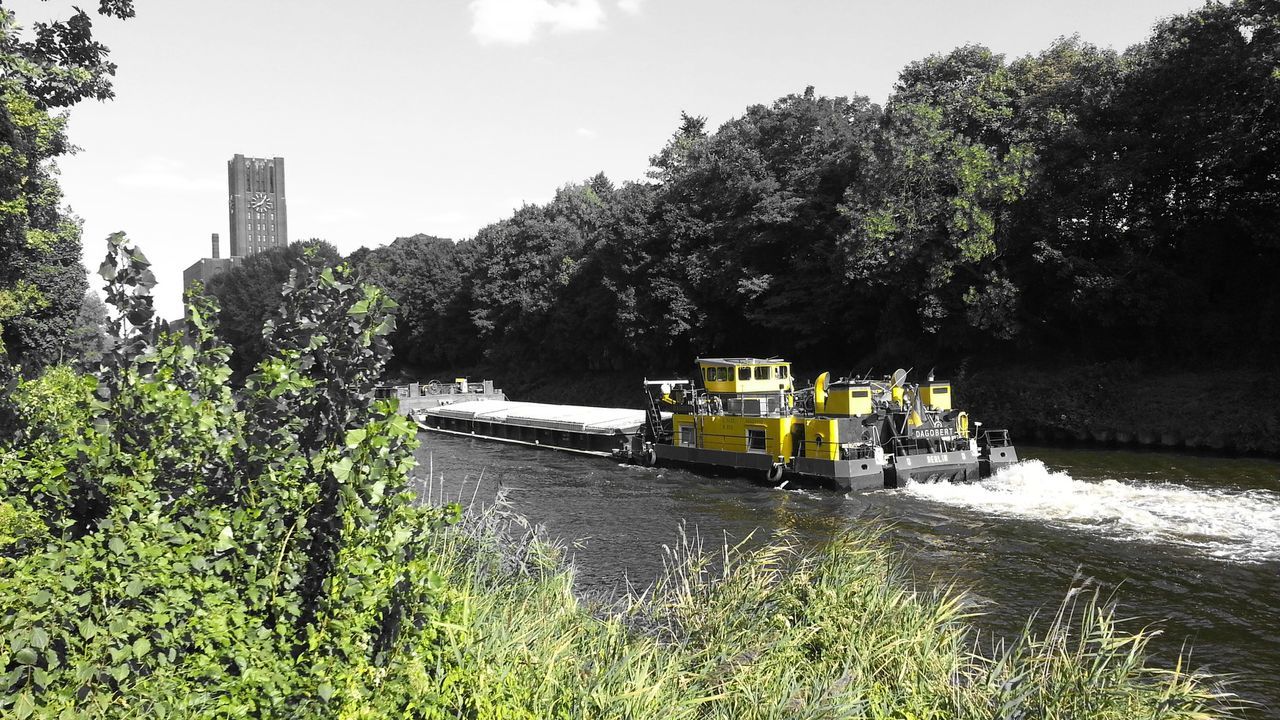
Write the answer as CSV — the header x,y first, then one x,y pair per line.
x,y
214,553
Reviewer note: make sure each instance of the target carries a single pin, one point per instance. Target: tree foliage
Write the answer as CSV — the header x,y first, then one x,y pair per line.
x,y
1076,202
41,278
249,294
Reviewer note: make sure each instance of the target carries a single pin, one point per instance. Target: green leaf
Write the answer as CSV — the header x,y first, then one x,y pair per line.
x,y
24,707
325,690
226,539
87,629
355,437
26,656
141,647
342,470
39,638
435,582
116,545
134,588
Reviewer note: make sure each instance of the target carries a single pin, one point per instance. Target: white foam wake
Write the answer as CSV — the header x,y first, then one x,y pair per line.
x,y
1239,525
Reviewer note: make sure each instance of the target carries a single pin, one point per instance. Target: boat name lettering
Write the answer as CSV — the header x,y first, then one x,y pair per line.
x,y
941,433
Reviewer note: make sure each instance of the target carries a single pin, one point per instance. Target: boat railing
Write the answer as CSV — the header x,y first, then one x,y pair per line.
x,y
434,387
995,438
909,446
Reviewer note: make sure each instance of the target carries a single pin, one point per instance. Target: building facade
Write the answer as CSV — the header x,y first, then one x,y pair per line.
x,y
256,205
205,268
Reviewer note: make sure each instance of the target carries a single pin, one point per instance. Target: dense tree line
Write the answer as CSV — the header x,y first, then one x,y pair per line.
x,y
1079,202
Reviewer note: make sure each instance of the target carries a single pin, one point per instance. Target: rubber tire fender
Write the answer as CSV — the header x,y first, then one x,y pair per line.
x,y
774,473
649,457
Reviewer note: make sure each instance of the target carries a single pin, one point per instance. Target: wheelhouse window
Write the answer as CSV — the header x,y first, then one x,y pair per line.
x,y
755,440
744,373
762,372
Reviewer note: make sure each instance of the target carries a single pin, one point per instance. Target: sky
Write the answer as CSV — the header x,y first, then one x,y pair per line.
x,y
397,117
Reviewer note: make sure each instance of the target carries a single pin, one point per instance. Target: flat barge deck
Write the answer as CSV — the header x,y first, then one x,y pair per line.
x,y
604,432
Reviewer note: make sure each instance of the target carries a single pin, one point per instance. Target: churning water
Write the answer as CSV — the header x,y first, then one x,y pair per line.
x,y
1241,525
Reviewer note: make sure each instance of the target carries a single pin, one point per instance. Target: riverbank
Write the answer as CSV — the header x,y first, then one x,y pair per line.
x,y
1118,404
771,632
1121,404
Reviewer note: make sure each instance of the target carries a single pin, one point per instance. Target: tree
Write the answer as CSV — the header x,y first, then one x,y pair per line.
x,y
528,260
929,227
607,315
89,338
750,214
250,294
422,275
41,278
1184,194
1078,201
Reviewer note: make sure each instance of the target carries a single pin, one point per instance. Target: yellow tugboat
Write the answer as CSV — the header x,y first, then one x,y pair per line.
x,y
858,433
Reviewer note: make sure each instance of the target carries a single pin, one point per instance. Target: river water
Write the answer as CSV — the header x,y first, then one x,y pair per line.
x,y
1191,544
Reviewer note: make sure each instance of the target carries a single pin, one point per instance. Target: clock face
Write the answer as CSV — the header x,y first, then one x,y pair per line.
x,y
260,201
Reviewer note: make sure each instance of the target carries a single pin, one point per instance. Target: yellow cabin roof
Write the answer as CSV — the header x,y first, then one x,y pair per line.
x,y
731,362
730,376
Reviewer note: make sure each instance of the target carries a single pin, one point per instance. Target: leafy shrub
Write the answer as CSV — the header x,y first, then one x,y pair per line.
x,y
216,553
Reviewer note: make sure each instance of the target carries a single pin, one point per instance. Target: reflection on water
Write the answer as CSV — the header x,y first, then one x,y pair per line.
x,y
1190,542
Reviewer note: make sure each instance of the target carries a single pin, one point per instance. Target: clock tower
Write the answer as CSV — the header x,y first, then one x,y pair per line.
x,y
256,204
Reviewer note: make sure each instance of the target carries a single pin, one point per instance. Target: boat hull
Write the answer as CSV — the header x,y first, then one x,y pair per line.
x,y
863,474
954,466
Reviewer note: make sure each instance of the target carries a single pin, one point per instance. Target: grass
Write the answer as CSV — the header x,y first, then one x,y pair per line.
x,y
772,632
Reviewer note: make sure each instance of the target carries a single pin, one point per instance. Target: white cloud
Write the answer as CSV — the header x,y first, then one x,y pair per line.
x,y
630,6
160,173
587,133
515,22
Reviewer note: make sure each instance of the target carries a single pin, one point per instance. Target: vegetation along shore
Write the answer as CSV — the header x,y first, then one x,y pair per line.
x,y
203,553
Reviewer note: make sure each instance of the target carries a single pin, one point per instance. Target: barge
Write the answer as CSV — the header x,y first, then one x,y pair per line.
x,y
746,415
605,432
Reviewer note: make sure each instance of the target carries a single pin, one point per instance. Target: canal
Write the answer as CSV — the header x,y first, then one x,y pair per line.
x,y
1191,544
